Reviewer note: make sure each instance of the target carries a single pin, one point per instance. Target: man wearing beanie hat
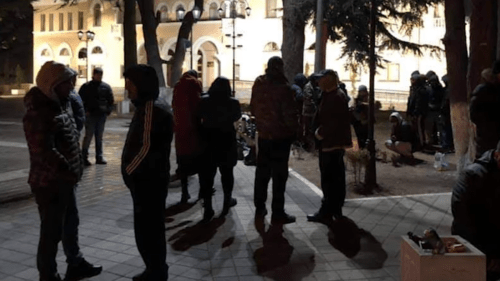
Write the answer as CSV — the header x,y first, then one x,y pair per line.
x,y
276,116
474,205
56,167
484,110
146,167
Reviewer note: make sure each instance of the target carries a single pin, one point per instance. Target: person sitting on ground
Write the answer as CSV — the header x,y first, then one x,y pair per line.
x,y
474,205
218,113
403,138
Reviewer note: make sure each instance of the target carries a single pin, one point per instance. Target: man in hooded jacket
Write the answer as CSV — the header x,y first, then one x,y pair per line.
x,y
475,208
276,115
56,167
146,167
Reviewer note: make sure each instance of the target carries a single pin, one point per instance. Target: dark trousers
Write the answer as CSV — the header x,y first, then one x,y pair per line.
x,y
272,162
94,126
207,175
446,136
58,222
333,183
149,225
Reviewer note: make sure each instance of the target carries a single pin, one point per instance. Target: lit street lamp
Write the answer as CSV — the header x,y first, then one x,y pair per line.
x,y
196,15
89,37
233,14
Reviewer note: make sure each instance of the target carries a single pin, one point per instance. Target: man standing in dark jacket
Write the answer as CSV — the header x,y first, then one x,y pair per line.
x,y
334,135
484,110
276,115
418,105
445,119
98,101
146,167
56,167
475,207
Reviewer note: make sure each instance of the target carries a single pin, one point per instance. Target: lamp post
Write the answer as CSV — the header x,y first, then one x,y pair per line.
x,y
196,15
233,13
89,36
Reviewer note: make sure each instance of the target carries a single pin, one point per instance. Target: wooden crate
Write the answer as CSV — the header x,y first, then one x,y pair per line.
x,y
420,265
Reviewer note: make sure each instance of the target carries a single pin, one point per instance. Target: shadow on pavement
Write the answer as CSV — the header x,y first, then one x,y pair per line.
x,y
357,244
195,235
177,209
277,258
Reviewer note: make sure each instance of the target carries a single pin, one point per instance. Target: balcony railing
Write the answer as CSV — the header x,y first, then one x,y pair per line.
x,y
439,22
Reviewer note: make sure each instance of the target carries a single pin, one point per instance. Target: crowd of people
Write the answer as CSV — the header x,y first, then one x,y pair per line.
x,y
313,110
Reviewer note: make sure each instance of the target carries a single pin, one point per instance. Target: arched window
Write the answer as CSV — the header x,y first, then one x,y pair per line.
x,y
213,13
97,15
180,7
64,52
82,53
271,47
164,13
45,53
97,50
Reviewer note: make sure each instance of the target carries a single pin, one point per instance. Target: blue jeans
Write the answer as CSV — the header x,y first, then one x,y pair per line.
x,y
94,126
58,222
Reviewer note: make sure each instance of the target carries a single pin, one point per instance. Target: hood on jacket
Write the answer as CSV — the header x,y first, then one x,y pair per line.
x,y
487,75
52,74
275,70
300,80
220,88
145,79
415,75
398,116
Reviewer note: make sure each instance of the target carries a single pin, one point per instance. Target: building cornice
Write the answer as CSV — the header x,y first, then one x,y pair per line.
x,y
41,3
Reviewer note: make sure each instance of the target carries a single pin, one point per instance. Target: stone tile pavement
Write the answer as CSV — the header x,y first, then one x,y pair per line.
x,y
236,248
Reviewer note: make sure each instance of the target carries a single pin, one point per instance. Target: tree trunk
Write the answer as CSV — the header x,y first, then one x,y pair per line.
x,y
456,60
483,39
292,50
149,25
498,29
129,34
180,47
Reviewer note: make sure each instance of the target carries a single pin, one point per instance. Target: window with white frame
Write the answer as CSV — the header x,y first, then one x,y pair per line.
x,y
271,47
390,73
97,51
97,15
70,21
213,14
80,20
51,22
64,53
42,22
61,21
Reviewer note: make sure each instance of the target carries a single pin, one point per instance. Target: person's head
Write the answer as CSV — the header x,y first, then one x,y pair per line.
x,y
97,74
300,80
327,80
415,75
434,80
496,70
55,80
275,67
395,118
192,73
362,93
141,83
487,75
430,73
220,88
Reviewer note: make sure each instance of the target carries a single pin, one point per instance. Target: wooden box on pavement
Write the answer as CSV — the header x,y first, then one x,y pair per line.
x,y
421,265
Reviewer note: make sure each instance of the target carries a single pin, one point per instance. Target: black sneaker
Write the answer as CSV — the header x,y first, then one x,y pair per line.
x,y
52,278
86,162
82,270
225,210
101,161
321,218
207,216
283,218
